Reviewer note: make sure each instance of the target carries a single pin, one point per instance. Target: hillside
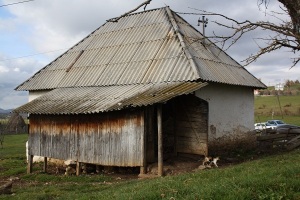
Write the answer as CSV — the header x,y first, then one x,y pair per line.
x,y
278,107
3,111
4,114
289,88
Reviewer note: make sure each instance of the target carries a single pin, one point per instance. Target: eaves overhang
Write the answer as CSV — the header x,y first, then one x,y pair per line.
x,y
87,100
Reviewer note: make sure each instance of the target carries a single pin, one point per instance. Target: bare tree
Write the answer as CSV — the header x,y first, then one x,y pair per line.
x,y
1,135
293,9
286,31
145,3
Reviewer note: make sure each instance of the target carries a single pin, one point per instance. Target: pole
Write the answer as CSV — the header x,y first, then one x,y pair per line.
x,y
280,106
29,165
78,168
45,164
160,141
204,25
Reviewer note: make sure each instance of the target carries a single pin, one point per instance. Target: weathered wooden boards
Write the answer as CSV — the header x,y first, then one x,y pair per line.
x,y
289,140
110,139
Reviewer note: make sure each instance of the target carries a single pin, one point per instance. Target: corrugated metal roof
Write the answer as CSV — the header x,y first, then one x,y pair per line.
x,y
147,47
84,100
213,63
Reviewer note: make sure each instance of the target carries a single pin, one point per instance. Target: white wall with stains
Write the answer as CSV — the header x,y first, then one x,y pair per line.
x,y
231,109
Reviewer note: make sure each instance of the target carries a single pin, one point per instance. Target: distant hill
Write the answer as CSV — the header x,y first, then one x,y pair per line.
x,y
3,111
293,88
5,114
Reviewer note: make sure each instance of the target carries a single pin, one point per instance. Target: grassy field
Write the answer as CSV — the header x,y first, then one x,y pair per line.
x,y
265,177
268,107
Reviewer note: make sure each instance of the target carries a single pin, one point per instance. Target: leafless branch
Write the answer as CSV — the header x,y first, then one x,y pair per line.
x,y
131,11
285,34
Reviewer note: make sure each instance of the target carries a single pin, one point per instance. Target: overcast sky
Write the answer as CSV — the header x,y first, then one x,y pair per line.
x,y
34,33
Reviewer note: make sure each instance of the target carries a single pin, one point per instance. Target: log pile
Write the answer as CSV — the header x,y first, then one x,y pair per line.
x,y
288,139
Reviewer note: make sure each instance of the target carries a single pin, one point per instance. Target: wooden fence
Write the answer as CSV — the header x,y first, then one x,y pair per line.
x,y
289,140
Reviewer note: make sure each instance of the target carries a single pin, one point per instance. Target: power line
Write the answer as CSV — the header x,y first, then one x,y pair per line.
x,y
15,3
32,55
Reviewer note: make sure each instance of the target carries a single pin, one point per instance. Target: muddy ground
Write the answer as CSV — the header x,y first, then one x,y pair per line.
x,y
172,166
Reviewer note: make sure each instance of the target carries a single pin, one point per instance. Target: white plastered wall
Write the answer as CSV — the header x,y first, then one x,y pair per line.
x,y
231,109
35,94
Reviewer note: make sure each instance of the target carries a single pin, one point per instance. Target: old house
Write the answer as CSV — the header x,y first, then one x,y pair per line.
x,y
136,90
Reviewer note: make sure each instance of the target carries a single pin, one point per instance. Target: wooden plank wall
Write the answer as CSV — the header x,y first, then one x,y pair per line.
x,y
110,139
151,134
191,127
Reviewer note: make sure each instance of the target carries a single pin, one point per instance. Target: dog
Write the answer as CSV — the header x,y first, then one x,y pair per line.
x,y
208,161
214,161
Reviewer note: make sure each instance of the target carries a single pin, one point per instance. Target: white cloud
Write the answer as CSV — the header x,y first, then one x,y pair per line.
x,y
3,69
60,24
16,69
13,99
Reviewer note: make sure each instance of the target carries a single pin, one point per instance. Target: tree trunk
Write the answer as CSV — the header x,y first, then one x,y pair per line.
x,y
293,7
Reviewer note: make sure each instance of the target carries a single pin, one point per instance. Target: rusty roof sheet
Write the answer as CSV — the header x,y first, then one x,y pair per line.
x,y
154,46
84,100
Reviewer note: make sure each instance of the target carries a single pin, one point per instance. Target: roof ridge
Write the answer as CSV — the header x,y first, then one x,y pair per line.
x,y
182,43
135,13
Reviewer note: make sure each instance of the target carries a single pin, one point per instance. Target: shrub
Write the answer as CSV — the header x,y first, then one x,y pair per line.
x,y
266,92
287,105
286,112
262,106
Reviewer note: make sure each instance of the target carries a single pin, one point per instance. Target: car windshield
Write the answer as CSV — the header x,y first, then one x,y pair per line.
x,y
280,122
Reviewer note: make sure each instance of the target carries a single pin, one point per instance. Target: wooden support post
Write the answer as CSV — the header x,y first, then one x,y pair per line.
x,y
160,141
78,166
144,142
174,104
29,165
142,170
45,164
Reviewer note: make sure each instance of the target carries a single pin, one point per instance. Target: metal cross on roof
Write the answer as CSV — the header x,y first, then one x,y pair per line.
x,y
204,25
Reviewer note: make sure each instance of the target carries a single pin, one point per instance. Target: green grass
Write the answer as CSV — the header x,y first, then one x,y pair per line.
x,y
12,155
267,177
267,107
3,121
13,146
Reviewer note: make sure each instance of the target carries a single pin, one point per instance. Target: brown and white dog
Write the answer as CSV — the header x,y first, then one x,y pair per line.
x,y
208,161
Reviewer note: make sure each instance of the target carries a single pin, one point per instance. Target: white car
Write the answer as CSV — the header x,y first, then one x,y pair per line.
x,y
275,124
264,126
259,127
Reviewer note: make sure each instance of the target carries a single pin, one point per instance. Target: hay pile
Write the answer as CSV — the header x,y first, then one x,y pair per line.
x,y
16,124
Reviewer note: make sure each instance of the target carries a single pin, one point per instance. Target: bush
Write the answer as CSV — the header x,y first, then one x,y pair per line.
x,y
287,105
266,92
